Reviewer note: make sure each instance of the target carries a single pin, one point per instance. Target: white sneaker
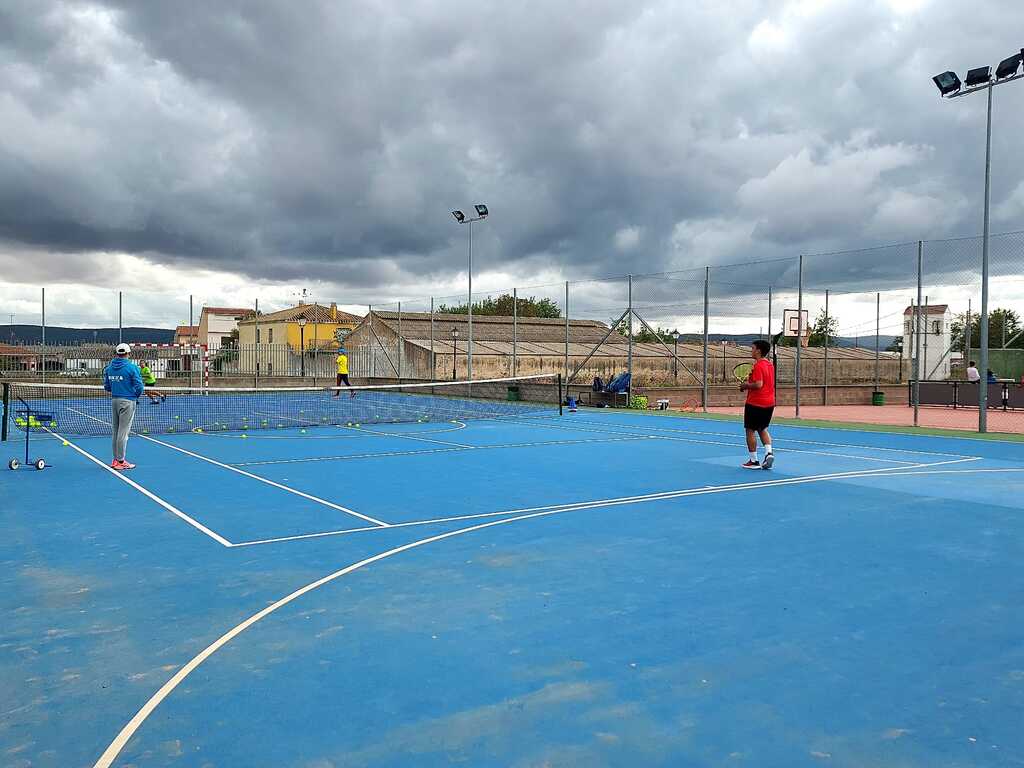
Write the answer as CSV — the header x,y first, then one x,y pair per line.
x,y
769,459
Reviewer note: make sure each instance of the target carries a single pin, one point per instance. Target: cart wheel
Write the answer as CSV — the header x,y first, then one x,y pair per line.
x,y
40,463
13,464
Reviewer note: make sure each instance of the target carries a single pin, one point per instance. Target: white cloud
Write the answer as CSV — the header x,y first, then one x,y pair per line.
x,y
627,238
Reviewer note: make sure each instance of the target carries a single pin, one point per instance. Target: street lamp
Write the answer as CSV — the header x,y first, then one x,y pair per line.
x,y
675,355
980,79
302,343
481,214
455,348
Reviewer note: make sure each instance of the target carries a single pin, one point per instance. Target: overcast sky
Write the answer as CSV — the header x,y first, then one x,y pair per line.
x,y
238,150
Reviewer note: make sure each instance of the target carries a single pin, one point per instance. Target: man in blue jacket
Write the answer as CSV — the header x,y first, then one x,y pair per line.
x,y
123,380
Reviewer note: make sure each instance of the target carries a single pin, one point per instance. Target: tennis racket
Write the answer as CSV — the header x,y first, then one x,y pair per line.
x,y
742,371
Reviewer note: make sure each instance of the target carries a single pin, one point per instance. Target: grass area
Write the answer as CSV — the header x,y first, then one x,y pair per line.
x,y
847,425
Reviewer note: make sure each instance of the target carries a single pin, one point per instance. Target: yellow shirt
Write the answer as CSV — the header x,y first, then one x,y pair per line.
x,y
343,364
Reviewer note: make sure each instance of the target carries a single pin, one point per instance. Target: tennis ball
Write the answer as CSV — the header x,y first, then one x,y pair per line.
x,y
244,436
65,443
53,423
303,431
177,417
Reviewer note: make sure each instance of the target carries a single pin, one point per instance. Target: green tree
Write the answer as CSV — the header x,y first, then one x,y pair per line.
x,y
825,327
998,321
503,306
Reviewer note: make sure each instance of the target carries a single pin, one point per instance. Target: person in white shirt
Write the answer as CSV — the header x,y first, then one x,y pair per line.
x,y
972,373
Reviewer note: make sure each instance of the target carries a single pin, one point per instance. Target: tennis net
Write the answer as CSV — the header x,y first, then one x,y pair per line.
x,y
73,409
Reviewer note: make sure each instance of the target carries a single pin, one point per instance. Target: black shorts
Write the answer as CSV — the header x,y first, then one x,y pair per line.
x,y
757,418
342,379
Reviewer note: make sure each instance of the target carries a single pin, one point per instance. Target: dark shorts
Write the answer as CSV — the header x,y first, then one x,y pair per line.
x,y
756,417
343,379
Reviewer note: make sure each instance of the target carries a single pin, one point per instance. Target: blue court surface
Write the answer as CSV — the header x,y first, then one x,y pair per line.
x,y
593,589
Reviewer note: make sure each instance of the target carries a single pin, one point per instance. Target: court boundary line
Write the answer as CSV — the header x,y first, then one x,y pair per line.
x,y
280,486
846,426
612,502
130,728
144,491
820,442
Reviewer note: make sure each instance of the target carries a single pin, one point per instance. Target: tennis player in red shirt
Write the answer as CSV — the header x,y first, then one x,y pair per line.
x,y
757,413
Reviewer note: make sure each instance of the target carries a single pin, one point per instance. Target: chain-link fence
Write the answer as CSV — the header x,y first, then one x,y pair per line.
x,y
891,334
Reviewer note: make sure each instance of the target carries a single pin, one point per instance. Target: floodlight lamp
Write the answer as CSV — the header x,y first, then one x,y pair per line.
x,y
455,333
481,210
1008,67
459,216
978,76
947,83
302,322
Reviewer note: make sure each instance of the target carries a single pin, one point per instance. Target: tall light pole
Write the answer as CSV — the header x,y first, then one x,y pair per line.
x,y
481,214
950,87
455,349
302,343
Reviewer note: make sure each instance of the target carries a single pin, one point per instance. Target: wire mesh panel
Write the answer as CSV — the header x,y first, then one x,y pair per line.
x,y
598,345
668,329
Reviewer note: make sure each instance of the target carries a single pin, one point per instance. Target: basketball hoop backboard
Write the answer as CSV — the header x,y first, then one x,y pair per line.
x,y
791,324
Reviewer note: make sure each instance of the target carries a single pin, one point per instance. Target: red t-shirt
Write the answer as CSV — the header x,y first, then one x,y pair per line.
x,y
765,396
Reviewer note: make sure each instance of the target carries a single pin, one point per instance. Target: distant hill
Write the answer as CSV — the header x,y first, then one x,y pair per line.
x,y
32,334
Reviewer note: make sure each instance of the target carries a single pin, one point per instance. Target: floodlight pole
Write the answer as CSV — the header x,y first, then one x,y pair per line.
x,y
469,343
983,319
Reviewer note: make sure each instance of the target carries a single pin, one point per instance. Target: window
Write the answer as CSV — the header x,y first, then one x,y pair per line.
x,y
936,327
270,336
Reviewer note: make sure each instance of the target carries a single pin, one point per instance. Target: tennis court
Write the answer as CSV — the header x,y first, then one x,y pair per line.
x,y
447,576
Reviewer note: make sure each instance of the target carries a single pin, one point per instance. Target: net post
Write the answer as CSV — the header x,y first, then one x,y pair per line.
x,y
799,328
560,394
7,410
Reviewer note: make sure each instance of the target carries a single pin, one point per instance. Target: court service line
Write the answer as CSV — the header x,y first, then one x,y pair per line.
x,y
598,503
250,475
133,725
365,431
145,492
732,443
453,449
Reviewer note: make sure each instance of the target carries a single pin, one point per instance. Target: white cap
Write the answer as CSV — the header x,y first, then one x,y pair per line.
x,y
123,349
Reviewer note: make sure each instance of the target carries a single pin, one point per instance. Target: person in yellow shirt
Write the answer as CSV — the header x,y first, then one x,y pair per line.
x,y
342,361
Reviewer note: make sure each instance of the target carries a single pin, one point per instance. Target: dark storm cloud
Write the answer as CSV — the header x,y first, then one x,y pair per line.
x,y
328,140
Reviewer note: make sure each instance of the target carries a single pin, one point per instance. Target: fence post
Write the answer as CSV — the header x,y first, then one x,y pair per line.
x,y
824,394
43,325
878,330
917,332
515,328
704,372
629,340
566,376
6,410
256,377
433,358
800,329
191,335
373,348
924,359
770,317
401,343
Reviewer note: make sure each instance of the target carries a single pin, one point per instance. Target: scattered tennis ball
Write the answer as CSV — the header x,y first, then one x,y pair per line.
x,y
53,423
303,431
244,436
65,443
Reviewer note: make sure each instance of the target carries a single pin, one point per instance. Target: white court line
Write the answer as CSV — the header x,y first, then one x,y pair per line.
x,y
365,431
430,451
145,492
733,443
594,504
133,725
250,475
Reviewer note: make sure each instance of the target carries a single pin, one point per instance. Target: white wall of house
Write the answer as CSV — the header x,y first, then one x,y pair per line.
x,y
936,337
